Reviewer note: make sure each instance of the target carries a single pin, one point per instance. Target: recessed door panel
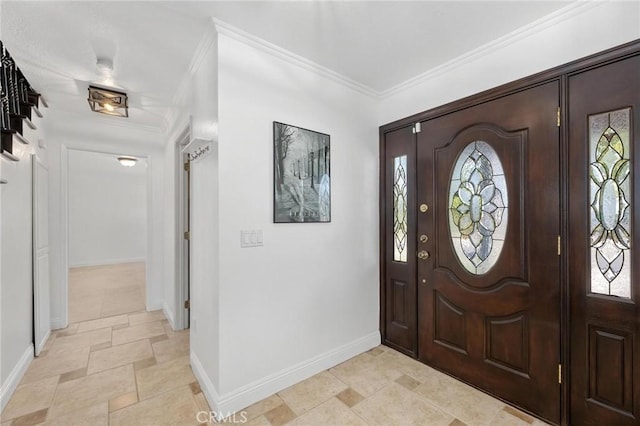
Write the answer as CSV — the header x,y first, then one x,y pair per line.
x,y
449,325
507,343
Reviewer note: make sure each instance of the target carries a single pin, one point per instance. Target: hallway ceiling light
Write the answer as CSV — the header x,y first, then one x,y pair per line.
x,y
108,102
128,161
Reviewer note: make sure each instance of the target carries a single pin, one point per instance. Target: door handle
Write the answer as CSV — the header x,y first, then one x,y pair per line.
x,y
423,254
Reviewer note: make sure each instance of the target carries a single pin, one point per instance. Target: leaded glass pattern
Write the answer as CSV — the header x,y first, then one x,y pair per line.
x,y
400,209
478,207
610,197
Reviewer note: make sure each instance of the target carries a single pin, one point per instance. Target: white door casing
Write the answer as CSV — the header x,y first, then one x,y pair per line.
x,y
41,314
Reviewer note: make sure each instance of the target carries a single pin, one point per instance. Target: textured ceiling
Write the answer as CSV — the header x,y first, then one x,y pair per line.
x,y
379,44
56,45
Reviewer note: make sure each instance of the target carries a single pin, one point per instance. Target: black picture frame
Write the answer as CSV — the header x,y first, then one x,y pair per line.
x,y
301,175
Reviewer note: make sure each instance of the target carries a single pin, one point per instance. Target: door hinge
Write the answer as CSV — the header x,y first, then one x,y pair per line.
x,y
559,245
187,304
560,373
187,166
187,235
417,128
558,122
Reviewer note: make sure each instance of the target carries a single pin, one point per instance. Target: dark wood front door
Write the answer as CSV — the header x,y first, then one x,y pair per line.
x,y
487,240
604,186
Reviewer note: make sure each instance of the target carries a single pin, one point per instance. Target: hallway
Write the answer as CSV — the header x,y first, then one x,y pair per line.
x,y
106,290
129,369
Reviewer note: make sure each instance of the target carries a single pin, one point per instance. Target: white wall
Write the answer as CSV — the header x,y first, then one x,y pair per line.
x,y
308,299
107,210
581,29
67,132
205,221
312,288
16,287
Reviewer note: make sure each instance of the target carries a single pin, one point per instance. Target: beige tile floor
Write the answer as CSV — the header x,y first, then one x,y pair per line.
x,y
132,369
106,290
119,367
382,387
128,369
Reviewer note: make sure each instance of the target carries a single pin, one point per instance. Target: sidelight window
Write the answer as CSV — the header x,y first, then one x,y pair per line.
x,y
400,209
610,197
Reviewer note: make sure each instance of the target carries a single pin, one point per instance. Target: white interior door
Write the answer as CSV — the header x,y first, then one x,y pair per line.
x,y
41,315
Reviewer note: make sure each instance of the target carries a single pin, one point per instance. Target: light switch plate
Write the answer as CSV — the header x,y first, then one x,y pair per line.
x,y
251,238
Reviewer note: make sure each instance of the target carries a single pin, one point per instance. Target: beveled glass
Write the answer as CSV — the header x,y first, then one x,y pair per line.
x,y
478,207
400,208
610,197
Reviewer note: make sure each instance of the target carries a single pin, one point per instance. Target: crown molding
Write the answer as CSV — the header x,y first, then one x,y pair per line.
x,y
205,43
573,9
290,57
207,40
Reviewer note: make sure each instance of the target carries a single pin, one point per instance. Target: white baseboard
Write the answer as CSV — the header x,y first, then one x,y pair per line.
x,y
168,313
44,341
106,262
154,305
260,389
9,386
209,391
57,324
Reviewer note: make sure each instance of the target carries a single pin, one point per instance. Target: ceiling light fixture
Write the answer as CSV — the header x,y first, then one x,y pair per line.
x,y
107,101
128,161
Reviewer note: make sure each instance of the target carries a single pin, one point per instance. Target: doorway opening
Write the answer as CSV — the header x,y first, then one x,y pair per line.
x,y
107,236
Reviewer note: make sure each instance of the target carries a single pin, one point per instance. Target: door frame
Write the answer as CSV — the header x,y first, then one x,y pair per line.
x,y
40,311
64,228
181,223
561,74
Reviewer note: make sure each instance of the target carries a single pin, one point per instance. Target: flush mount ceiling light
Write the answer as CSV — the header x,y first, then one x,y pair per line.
x,y
108,101
128,161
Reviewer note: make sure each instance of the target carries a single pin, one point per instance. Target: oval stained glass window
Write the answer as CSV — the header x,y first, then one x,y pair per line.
x,y
478,207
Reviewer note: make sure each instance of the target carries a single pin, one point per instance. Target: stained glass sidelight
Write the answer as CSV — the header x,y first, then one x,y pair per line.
x,y
610,197
400,209
478,207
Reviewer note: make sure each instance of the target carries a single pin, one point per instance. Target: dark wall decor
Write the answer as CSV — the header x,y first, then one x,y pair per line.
x,y
302,175
17,102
